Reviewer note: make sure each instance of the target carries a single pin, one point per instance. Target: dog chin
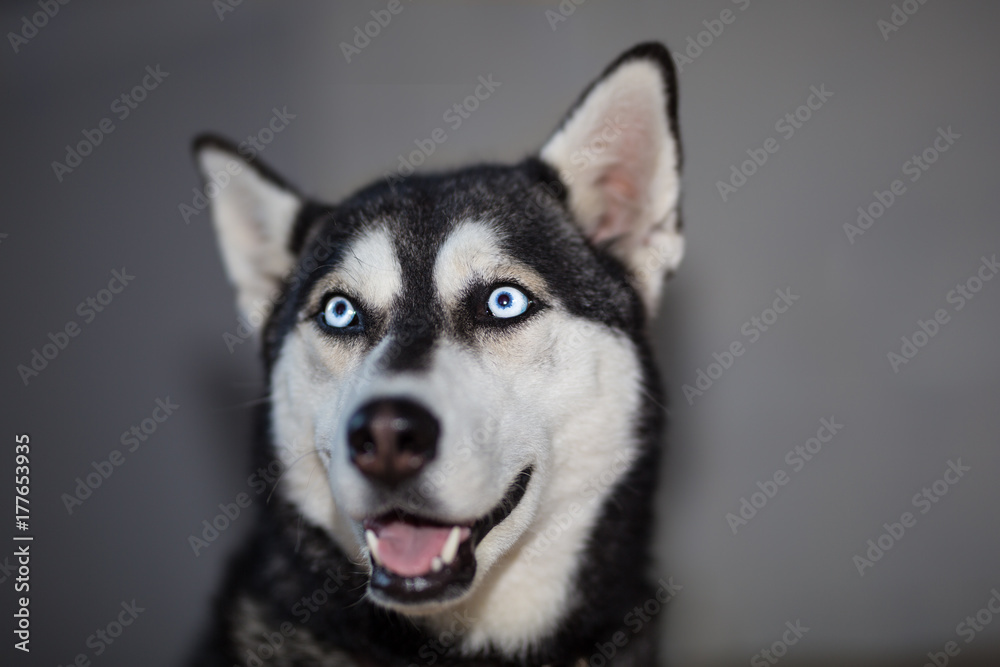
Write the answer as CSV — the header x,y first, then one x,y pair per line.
x,y
420,564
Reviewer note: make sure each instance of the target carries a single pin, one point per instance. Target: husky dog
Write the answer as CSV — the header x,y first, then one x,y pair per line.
x,y
461,398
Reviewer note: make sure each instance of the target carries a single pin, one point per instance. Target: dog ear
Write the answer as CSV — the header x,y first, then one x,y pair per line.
x,y
618,155
253,211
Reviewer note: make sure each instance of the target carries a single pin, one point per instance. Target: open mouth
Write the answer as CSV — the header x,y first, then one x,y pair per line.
x,y
418,560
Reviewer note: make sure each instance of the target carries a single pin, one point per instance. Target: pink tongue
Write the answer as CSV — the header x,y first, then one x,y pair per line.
x,y
408,550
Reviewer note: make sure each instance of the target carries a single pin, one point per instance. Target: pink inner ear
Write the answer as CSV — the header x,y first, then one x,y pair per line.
x,y
625,178
620,196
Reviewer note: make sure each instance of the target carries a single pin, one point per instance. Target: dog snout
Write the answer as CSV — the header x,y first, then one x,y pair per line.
x,y
392,439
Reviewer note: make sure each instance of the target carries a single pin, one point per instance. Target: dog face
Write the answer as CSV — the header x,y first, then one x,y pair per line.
x,y
453,364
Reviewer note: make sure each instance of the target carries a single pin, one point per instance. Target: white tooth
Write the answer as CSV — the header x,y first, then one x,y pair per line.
x,y
372,540
436,564
451,545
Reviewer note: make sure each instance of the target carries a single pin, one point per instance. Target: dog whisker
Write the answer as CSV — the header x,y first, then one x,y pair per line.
x,y
285,471
247,404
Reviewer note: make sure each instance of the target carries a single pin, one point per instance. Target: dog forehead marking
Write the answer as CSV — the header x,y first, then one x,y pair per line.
x,y
370,268
472,248
475,250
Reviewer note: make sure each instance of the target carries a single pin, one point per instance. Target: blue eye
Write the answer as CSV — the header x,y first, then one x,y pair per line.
x,y
507,302
339,313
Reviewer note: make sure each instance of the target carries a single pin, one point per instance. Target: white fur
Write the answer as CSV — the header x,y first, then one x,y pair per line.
x,y
472,251
370,269
619,161
582,394
253,218
560,394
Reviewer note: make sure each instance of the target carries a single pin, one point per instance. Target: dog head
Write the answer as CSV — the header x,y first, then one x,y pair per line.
x,y
454,359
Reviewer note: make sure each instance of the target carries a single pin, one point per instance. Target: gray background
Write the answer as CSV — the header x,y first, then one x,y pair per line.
x,y
825,357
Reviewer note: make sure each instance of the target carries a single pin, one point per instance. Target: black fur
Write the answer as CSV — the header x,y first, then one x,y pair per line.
x,y
287,559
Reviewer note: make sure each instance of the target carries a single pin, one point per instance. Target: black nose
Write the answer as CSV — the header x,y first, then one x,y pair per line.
x,y
391,439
